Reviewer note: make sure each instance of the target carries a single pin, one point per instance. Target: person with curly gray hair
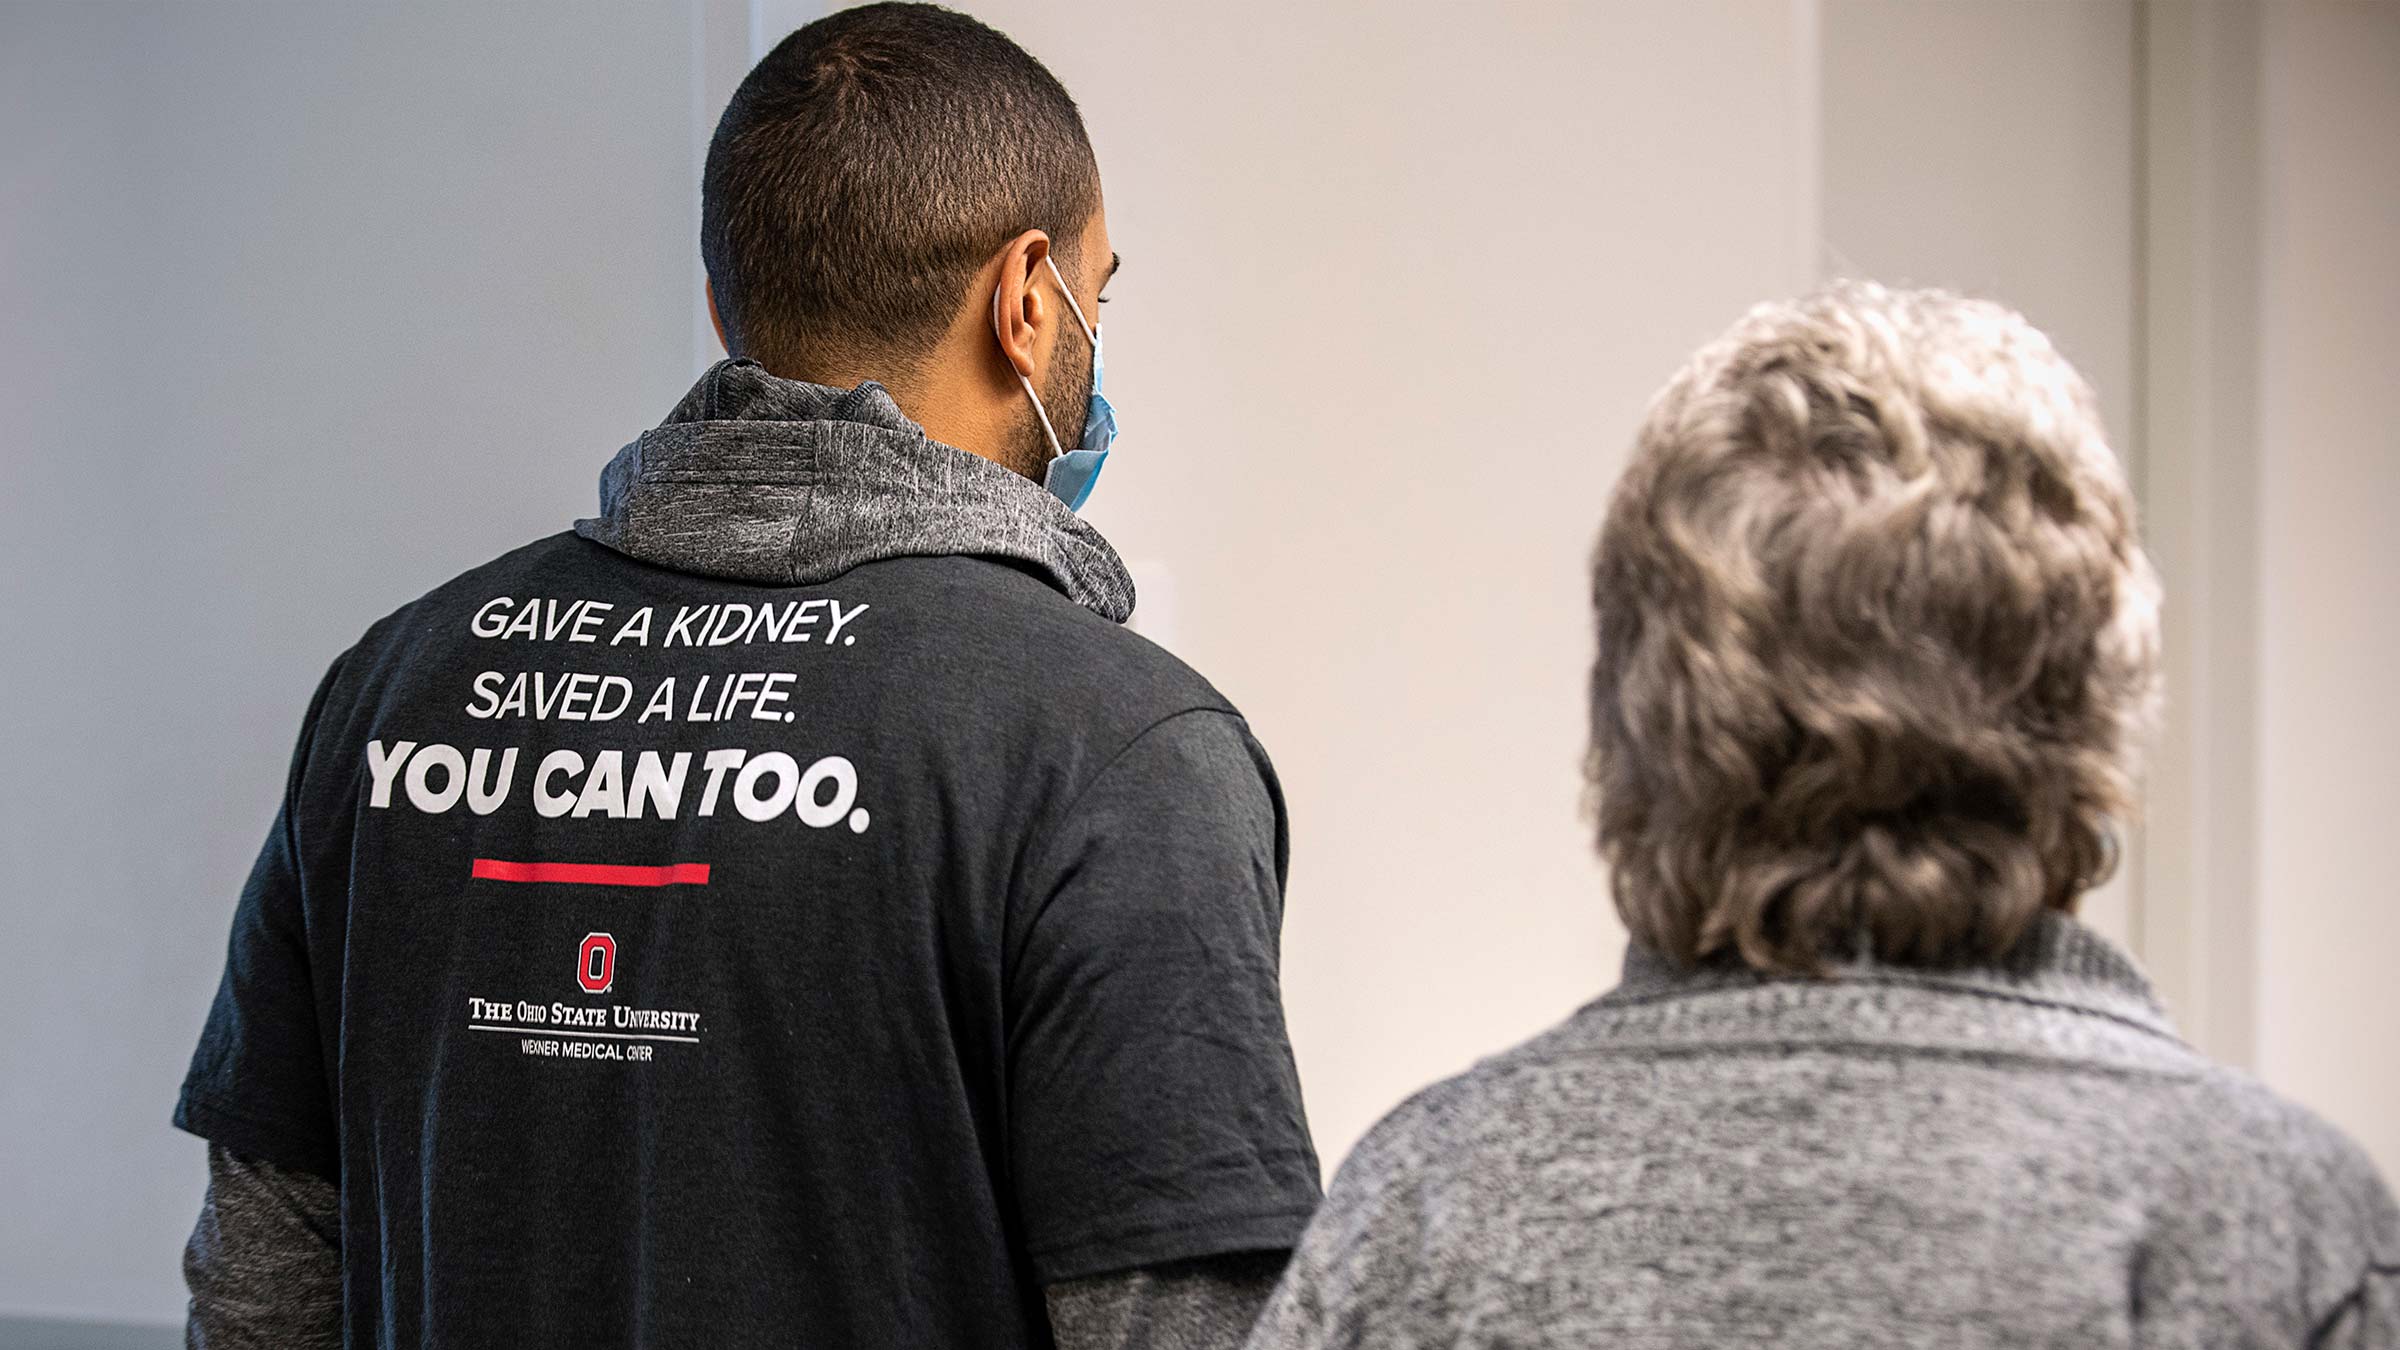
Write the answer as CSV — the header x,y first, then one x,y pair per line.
x,y
1878,645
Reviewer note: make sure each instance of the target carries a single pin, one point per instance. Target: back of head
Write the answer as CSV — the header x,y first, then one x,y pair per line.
x,y
866,169
1877,641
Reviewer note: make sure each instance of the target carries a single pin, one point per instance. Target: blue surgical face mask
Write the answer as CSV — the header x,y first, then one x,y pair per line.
x,y
1073,472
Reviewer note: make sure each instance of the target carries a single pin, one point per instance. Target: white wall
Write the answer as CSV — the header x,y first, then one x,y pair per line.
x,y
2199,374
305,309
1398,280
2329,546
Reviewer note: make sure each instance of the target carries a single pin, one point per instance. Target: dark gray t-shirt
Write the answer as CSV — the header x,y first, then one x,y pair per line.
x,y
657,959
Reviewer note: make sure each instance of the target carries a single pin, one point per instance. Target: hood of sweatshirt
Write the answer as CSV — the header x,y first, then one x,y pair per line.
x,y
757,478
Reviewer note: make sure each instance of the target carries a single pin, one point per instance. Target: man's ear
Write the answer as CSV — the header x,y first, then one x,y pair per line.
x,y
715,320
1022,310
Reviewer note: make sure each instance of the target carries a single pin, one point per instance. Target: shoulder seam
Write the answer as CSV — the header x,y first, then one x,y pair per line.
x,y
1039,849
1127,748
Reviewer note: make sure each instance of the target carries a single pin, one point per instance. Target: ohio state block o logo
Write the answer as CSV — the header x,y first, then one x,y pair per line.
x,y
596,964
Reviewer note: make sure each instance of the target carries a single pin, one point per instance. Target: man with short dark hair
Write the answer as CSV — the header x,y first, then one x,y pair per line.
x,y
787,908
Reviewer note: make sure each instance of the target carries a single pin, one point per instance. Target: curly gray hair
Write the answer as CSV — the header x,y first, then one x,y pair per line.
x,y
1878,644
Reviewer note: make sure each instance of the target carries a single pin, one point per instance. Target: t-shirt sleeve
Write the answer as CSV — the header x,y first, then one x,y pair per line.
x,y
259,1082
1370,1270
1154,1108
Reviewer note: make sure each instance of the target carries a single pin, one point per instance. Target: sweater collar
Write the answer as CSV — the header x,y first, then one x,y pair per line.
x,y
2059,962
757,478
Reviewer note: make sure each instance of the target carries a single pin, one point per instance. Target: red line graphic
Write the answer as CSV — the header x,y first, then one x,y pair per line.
x,y
593,874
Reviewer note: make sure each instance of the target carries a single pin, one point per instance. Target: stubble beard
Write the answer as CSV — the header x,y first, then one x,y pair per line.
x,y
1065,392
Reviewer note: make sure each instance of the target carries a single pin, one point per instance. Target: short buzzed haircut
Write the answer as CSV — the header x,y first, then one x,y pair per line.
x,y
864,171
1878,643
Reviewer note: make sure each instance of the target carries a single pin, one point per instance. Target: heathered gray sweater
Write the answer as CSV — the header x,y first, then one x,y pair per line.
x,y
2015,1156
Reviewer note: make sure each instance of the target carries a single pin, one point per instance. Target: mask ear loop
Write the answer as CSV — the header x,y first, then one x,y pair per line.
x,y
1056,450
1091,330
